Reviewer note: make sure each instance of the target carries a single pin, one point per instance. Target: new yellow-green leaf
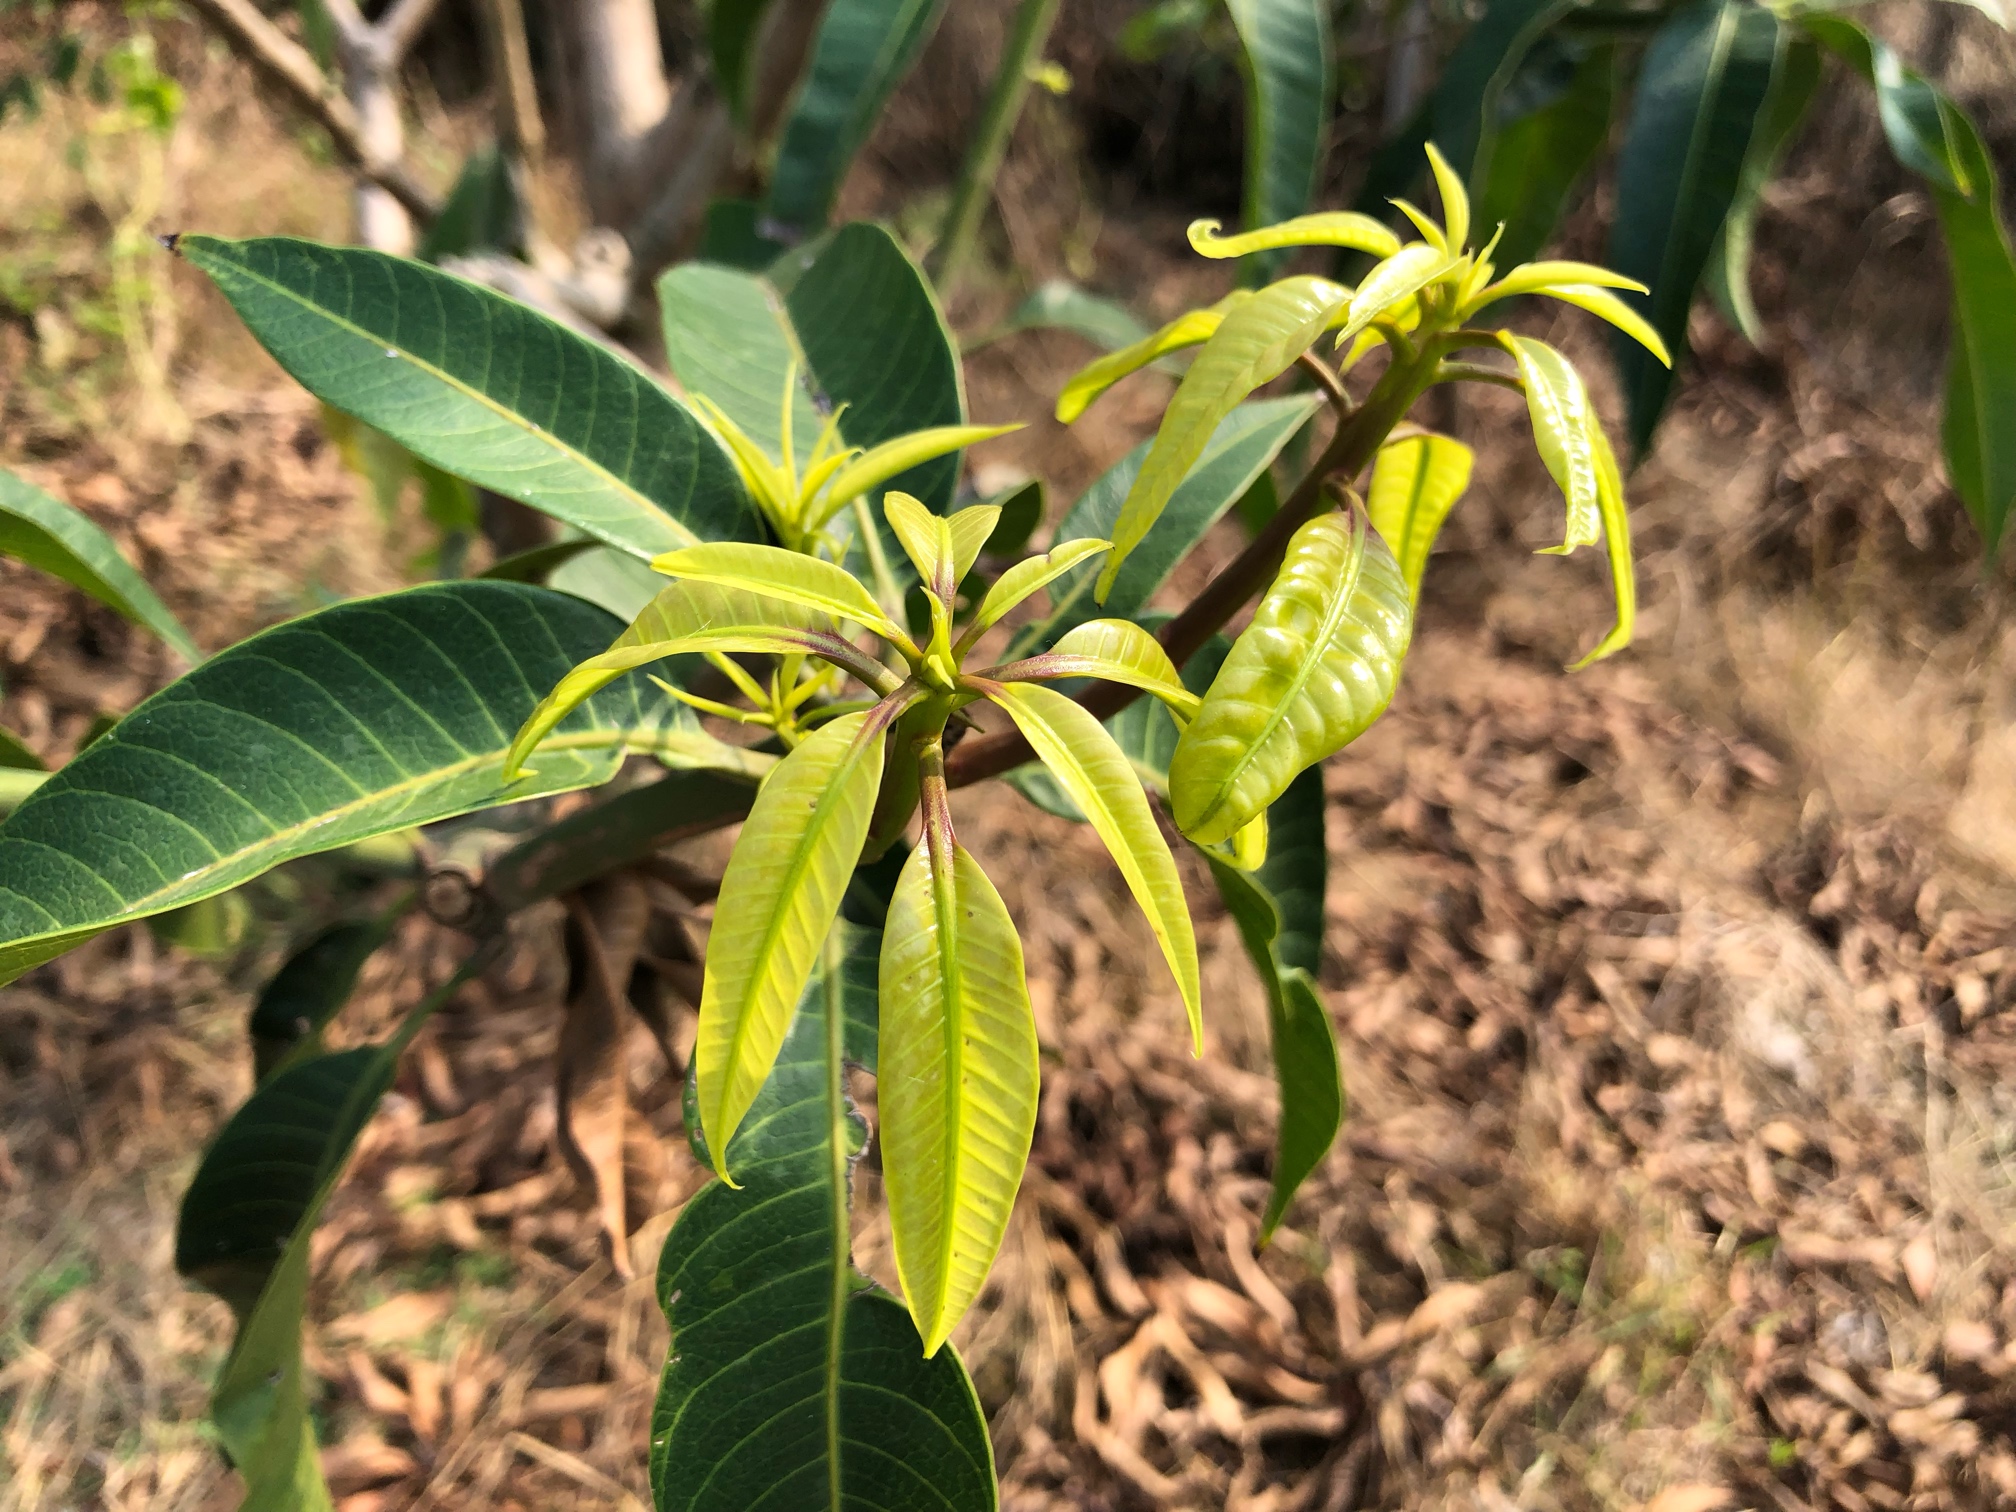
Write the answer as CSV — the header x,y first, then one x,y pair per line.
x,y
1544,277
971,527
1114,650
778,898
684,618
1455,200
925,539
1256,343
1415,483
1617,546
1558,405
1092,768
957,1072
893,458
1327,228
1316,666
1025,577
1192,328
1391,284
775,573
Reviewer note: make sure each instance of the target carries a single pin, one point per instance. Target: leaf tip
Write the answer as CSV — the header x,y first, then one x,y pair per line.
x,y
1201,233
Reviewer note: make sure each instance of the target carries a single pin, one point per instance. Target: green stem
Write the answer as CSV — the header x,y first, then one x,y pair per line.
x,y
975,189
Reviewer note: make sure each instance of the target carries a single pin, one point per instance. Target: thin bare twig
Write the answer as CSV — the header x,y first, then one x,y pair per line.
x,y
400,27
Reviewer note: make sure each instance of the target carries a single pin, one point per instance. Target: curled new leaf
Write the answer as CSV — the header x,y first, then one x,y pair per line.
x,y
1328,228
1316,666
1256,343
1415,483
778,897
1082,756
958,1077
1192,328
1558,404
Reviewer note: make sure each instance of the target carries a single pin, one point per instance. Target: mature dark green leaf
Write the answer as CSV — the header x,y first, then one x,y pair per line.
x,y
863,48
17,757
1288,87
1541,156
306,992
1279,913
792,1381
367,717
244,1232
486,389
48,534
536,564
1795,77
1933,136
1700,92
1022,510
733,236
1242,447
482,213
728,338
732,27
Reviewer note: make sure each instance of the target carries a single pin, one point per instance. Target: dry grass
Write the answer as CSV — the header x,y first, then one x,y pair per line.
x,y
1675,997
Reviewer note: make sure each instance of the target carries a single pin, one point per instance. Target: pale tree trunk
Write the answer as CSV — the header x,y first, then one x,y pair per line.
x,y
382,222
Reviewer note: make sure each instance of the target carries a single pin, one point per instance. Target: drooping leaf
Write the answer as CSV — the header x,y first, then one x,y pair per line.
x,y
1700,91
1558,404
371,716
244,1232
1415,483
484,388
1243,446
778,897
1273,910
958,1079
1095,772
306,992
771,572
864,47
1192,328
1316,666
1286,48
49,535
1257,342
1616,544
1932,135
1540,157
1325,228
1795,79
1113,650
792,1381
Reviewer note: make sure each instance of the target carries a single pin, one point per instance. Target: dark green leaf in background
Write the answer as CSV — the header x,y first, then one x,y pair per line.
x,y
309,988
1795,77
792,1381
481,214
48,534
1542,153
486,389
371,716
1700,92
732,27
864,47
1286,51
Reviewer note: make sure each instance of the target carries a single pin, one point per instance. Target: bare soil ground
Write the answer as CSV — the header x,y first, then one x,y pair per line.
x,y
1677,998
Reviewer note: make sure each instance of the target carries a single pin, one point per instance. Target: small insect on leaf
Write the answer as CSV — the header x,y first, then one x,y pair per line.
x,y
779,895
1328,228
1558,405
1415,483
1316,666
958,1075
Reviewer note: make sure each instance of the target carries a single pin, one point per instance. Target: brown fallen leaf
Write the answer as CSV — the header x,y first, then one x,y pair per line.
x,y
606,925
404,1317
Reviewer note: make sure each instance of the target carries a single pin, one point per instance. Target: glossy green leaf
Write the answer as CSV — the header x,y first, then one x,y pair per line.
x,y
1096,773
1279,914
1244,445
1192,328
1700,92
1931,135
1257,342
1415,483
1795,79
1112,650
685,619
778,897
771,572
792,1381
535,564
1616,544
1029,575
1286,49
49,535
1316,666
1557,402
245,1230
485,388
368,717
1325,228
863,48
1539,157
958,1079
